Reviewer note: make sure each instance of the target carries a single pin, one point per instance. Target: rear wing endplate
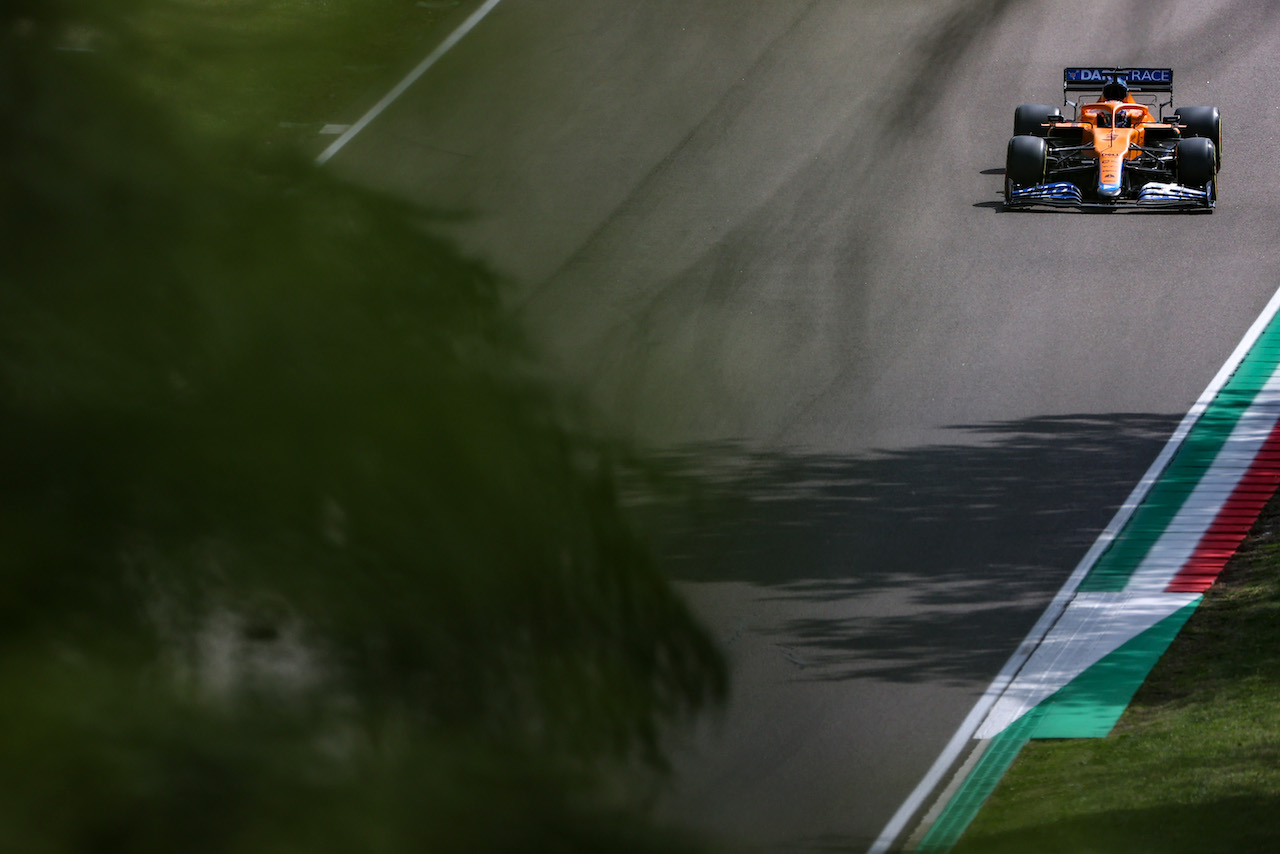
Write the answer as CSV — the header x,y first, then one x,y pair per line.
x,y
1139,79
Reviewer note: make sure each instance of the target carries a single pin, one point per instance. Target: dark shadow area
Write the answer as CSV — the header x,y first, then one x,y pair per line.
x,y
910,565
785,520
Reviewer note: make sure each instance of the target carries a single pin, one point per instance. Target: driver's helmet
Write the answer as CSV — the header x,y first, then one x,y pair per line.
x,y
1115,90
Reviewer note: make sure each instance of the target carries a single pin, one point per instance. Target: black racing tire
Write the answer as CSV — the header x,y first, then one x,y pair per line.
x,y
1197,161
1028,118
1203,123
1026,160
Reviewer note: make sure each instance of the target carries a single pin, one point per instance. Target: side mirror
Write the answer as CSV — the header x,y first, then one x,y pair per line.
x,y
1056,117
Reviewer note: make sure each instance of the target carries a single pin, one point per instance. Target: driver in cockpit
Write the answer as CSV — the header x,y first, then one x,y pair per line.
x,y
1114,90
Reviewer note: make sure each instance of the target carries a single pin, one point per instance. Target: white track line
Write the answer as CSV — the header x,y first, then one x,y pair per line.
x,y
444,47
969,726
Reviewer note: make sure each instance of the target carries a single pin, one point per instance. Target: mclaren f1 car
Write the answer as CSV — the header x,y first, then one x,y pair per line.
x,y
1126,147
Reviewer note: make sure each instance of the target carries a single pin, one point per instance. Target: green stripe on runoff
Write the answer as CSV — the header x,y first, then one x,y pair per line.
x,y
1000,752
1205,441
1086,707
1089,705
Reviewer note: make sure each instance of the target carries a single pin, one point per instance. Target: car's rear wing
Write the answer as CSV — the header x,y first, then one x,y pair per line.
x,y
1139,79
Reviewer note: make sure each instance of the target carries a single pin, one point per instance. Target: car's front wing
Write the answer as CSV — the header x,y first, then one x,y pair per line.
x,y
1153,194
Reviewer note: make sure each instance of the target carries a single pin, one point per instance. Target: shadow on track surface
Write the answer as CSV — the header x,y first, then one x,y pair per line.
x,y
910,565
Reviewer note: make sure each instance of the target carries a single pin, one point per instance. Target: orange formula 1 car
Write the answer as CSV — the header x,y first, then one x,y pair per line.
x,y
1115,152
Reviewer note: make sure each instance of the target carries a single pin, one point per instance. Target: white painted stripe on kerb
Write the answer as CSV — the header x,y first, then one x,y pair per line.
x,y
432,58
1093,626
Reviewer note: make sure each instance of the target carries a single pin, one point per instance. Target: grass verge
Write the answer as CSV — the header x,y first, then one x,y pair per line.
x,y
1193,765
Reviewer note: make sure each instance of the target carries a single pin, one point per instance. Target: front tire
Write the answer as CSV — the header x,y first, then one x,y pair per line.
x,y
1025,160
1024,164
1197,161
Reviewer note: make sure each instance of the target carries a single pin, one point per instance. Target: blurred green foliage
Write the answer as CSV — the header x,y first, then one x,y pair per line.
x,y
296,554
275,70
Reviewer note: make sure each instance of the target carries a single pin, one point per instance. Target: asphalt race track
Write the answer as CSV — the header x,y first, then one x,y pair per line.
x,y
766,237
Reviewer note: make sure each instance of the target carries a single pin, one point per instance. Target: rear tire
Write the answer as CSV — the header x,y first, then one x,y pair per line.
x,y
1197,162
1203,123
1028,118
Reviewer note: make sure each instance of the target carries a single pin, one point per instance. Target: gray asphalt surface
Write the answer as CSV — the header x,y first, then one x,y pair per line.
x,y
765,237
